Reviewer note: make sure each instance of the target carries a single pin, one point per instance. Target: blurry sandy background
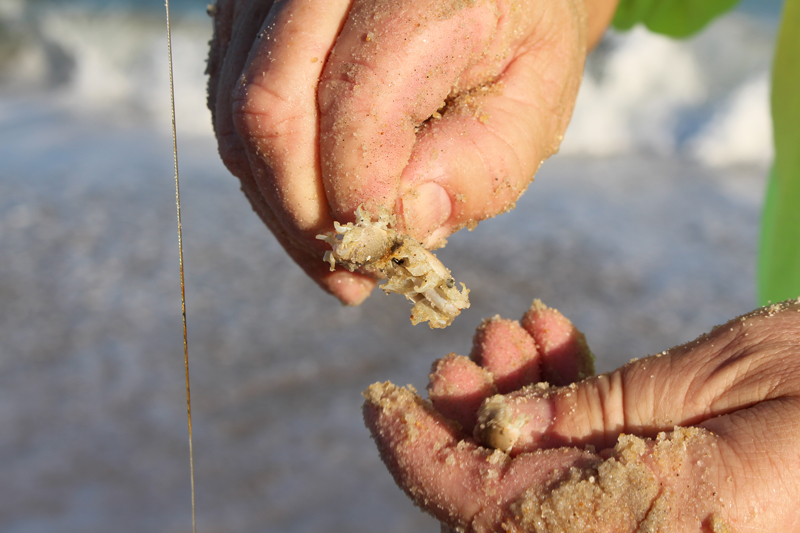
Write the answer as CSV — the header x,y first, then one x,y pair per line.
x,y
643,231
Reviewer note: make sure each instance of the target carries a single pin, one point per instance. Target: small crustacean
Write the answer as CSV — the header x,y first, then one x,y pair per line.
x,y
360,244
410,269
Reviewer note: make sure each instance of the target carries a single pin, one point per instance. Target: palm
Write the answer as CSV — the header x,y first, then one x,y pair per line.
x,y
734,464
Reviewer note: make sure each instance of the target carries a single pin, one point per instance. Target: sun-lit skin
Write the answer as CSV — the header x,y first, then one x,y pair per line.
x,y
441,111
320,106
740,384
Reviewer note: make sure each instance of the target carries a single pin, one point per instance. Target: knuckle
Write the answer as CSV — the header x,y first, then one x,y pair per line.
x,y
350,83
262,115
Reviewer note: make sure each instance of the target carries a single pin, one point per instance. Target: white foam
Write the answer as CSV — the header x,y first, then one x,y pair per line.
x,y
741,130
703,97
114,64
632,104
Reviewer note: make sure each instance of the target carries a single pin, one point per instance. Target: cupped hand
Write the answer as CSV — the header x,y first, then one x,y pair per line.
x,y
702,437
440,111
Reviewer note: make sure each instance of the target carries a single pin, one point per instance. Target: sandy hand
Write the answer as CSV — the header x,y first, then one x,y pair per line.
x,y
703,437
438,110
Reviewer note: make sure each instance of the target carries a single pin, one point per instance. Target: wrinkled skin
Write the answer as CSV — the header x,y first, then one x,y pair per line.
x,y
739,384
320,106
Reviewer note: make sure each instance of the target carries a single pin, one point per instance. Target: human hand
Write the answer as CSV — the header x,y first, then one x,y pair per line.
x,y
703,437
439,110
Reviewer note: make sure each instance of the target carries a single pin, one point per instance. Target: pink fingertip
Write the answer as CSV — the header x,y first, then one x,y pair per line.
x,y
506,350
425,209
457,388
424,453
565,355
349,287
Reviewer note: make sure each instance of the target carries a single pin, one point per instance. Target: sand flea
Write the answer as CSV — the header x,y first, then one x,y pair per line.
x,y
411,270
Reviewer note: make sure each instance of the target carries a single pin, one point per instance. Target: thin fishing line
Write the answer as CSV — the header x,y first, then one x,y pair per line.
x,y
180,263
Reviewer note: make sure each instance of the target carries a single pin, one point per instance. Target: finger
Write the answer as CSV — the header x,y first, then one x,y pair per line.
x,y
504,358
275,110
505,349
222,14
416,443
393,66
457,482
747,361
565,356
457,389
488,144
265,104
236,28
758,450
350,288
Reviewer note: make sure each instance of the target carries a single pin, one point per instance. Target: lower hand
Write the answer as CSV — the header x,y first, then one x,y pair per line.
x,y
703,437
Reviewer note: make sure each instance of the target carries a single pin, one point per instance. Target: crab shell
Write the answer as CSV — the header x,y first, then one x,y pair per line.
x,y
412,271
418,275
362,245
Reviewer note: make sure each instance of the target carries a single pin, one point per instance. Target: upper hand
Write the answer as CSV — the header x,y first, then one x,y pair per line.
x,y
713,432
439,110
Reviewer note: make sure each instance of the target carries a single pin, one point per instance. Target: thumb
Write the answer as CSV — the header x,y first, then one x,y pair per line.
x,y
392,67
727,370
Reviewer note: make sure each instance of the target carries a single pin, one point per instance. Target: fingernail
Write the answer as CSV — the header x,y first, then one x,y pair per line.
x,y
425,209
513,423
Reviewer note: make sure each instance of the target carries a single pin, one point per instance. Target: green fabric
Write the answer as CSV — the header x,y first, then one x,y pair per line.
x,y
779,255
676,18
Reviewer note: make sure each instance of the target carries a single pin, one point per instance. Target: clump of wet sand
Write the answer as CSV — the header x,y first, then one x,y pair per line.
x,y
632,490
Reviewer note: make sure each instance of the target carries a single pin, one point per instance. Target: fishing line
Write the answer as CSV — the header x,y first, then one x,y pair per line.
x,y
180,263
